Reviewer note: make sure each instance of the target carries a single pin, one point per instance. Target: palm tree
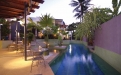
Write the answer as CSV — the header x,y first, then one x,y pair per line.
x,y
116,5
46,21
81,7
54,30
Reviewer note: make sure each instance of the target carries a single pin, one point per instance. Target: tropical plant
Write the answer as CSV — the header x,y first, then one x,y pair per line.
x,y
54,29
32,25
92,21
46,21
81,7
72,27
5,31
116,5
2,21
30,37
63,32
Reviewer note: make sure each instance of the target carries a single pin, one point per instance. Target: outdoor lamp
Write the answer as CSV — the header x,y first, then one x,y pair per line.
x,y
44,28
22,22
1,24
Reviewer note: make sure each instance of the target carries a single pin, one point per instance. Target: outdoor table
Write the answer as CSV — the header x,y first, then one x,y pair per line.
x,y
44,50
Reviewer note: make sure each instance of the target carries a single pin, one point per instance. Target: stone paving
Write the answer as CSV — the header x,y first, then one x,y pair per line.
x,y
13,63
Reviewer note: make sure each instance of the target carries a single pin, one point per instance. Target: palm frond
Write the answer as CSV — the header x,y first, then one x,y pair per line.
x,y
46,20
81,6
76,9
78,15
74,3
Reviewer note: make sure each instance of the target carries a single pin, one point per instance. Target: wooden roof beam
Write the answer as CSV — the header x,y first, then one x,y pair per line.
x,y
39,1
11,12
6,14
9,8
12,5
20,3
35,6
32,10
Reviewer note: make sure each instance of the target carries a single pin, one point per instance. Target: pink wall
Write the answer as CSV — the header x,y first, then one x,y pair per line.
x,y
109,36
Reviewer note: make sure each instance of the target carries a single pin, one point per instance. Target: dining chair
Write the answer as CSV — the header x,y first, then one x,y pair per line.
x,y
37,58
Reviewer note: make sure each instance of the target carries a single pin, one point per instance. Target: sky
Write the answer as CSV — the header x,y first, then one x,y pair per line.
x,y
60,9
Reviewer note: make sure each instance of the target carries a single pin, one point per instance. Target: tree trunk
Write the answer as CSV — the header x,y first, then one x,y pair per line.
x,y
81,18
47,40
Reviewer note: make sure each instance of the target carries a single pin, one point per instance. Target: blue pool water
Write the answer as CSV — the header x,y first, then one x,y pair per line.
x,y
76,60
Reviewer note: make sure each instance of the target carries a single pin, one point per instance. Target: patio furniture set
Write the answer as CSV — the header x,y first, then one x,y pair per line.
x,y
33,49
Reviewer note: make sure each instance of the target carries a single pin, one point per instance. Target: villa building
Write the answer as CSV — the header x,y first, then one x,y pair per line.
x,y
59,22
16,26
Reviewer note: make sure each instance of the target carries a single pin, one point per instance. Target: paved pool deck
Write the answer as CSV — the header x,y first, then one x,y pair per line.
x,y
13,63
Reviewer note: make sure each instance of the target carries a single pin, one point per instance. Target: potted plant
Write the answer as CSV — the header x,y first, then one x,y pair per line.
x,y
30,37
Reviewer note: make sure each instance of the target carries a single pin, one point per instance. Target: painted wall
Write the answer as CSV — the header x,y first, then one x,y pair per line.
x,y
110,57
13,29
109,36
5,43
108,42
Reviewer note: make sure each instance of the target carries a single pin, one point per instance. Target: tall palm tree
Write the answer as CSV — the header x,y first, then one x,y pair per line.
x,y
81,7
46,21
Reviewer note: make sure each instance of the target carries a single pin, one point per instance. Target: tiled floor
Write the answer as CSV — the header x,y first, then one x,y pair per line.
x,y
12,63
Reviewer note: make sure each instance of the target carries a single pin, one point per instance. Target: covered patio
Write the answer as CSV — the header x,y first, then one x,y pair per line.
x,y
19,9
12,62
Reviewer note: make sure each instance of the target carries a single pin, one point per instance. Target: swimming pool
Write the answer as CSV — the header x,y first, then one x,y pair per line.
x,y
77,60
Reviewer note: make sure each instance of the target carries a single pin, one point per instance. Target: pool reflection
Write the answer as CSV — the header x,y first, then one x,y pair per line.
x,y
77,61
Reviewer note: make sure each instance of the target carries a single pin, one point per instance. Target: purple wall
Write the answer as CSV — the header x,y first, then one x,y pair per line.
x,y
84,39
109,36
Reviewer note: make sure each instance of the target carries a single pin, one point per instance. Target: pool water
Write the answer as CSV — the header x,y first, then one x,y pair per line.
x,y
78,60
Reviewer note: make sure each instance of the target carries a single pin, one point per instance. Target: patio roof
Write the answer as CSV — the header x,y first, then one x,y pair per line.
x,y
15,8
